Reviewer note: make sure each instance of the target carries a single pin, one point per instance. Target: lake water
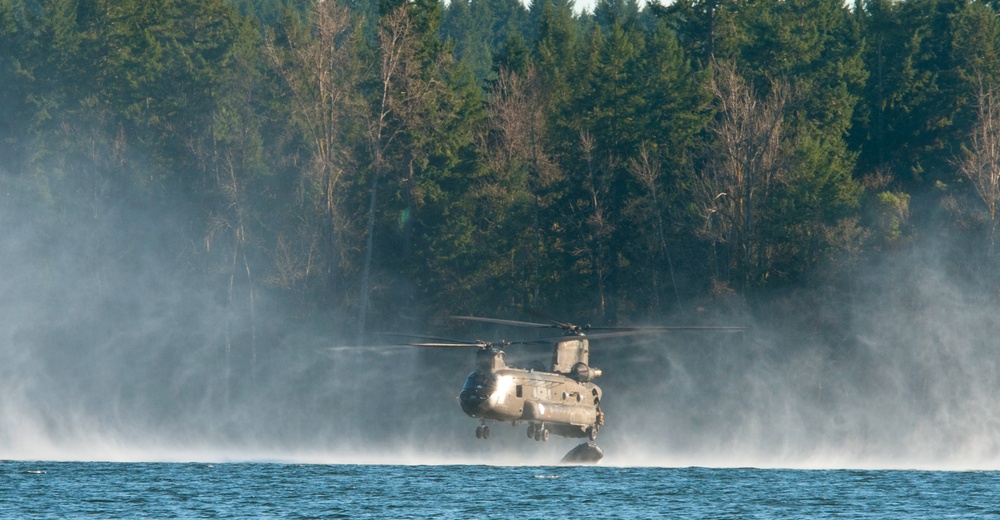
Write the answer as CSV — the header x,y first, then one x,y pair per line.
x,y
31,489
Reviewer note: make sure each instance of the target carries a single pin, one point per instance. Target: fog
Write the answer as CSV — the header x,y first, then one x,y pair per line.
x,y
910,383
113,347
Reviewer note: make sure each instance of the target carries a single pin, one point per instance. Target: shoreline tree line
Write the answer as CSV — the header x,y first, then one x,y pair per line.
x,y
370,165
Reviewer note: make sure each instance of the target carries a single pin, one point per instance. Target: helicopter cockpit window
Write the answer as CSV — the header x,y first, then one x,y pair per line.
x,y
475,381
478,384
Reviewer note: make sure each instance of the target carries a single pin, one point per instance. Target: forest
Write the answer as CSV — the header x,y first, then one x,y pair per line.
x,y
352,167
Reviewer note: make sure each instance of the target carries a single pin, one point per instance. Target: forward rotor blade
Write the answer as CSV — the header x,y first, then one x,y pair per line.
x,y
504,322
428,338
451,345
432,341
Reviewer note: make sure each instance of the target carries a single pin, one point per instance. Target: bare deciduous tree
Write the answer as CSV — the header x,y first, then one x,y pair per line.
x,y
516,120
410,110
396,48
646,169
745,165
981,161
597,227
514,139
321,76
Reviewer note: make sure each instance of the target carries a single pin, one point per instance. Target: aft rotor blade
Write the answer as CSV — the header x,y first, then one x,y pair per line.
x,y
684,328
553,324
573,337
552,321
621,334
569,327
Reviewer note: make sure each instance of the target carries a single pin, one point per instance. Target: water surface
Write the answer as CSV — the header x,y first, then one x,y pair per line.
x,y
272,490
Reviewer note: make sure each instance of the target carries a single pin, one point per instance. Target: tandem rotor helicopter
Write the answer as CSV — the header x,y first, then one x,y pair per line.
x,y
561,399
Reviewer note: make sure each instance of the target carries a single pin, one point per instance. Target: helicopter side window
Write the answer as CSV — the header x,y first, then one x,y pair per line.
x,y
520,391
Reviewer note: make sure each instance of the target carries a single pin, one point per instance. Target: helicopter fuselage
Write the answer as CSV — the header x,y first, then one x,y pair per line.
x,y
555,402
562,400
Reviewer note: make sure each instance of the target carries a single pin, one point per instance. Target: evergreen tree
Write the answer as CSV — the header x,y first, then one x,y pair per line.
x,y
432,109
555,50
607,115
707,29
469,32
480,29
675,114
608,13
910,94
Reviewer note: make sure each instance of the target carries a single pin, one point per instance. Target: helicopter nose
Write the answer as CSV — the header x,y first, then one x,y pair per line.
x,y
472,399
475,394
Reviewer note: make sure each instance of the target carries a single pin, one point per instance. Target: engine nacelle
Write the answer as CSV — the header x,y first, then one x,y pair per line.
x,y
584,373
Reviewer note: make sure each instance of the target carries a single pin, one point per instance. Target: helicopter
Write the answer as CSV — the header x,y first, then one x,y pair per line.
x,y
561,399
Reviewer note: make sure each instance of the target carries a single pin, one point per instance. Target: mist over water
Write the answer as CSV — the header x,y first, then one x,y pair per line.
x,y
114,348
911,383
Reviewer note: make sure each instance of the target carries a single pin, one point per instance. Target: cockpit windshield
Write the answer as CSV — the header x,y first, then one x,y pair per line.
x,y
478,384
475,380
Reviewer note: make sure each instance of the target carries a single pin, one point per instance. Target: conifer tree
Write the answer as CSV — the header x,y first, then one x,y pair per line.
x,y
909,99
431,110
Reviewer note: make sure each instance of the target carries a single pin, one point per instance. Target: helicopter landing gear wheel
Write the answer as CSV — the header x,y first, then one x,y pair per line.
x,y
592,433
545,434
483,432
479,432
531,431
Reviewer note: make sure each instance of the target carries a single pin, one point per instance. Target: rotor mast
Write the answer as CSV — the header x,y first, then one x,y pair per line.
x,y
570,351
490,359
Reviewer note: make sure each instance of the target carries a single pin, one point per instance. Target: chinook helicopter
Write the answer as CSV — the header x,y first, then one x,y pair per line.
x,y
560,400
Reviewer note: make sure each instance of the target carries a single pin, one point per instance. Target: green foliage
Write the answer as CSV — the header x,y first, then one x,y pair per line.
x,y
518,156
480,29
894,209
913,96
